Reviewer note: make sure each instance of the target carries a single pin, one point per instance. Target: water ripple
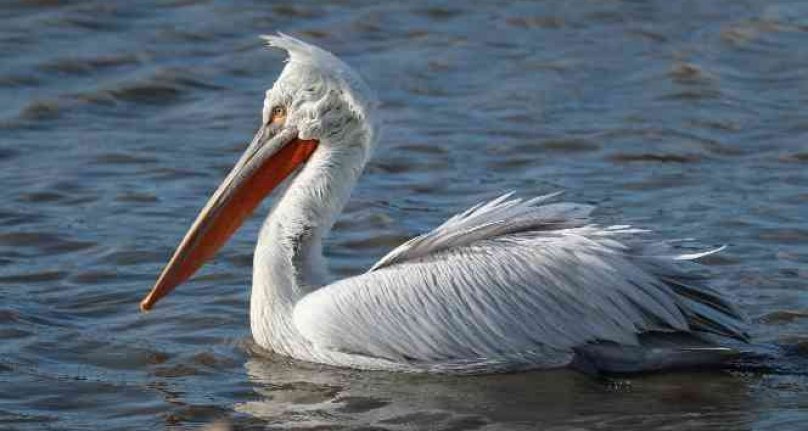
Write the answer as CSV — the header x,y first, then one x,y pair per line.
x,y
119,118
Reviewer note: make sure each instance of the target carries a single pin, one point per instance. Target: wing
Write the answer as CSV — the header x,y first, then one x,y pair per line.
x,y
498,217
513,279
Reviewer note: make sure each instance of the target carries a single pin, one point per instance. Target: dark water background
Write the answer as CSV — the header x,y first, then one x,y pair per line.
x,y
117,119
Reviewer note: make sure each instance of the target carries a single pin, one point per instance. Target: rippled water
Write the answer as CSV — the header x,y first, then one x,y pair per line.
x,y
117,119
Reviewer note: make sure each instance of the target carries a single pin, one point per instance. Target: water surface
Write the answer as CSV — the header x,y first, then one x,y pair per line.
x,y
117,119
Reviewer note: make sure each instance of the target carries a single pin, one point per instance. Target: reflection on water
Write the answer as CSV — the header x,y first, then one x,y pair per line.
x,y
311,396
119,118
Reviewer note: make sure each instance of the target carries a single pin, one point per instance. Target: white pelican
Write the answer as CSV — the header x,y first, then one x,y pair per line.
x,y
507,285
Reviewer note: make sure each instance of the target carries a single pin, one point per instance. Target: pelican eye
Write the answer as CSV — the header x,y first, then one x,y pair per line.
x,y
278,114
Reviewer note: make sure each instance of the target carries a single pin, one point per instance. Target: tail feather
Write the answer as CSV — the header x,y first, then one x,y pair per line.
x,y
706,310
704,295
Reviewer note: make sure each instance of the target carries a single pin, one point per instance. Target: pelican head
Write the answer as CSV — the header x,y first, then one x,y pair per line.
x,y
317,104
320,96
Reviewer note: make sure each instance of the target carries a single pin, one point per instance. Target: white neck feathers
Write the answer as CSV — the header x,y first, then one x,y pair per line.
x,y
288,261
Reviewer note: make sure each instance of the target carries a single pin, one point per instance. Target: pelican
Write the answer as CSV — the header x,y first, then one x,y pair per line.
x,y
510,284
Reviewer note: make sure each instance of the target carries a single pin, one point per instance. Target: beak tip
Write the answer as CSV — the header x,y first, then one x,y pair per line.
x,y
145,305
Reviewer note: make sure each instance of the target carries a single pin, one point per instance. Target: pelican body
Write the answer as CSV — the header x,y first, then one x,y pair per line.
x,y
507,285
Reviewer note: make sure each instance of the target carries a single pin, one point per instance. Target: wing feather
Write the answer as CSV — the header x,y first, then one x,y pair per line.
x,y
498,217
514,279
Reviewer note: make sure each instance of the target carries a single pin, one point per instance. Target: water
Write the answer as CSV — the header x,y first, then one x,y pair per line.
x,y
119,118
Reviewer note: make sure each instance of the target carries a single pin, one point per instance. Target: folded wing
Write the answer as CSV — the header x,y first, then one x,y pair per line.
x,y
514,280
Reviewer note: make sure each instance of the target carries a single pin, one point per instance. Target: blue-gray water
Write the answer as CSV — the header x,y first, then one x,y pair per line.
x,y
117,119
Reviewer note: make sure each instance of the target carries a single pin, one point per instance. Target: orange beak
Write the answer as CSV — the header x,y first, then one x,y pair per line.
x,y
267,162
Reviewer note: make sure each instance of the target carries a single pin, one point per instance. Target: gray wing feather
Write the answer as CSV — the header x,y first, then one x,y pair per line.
x,y
498,217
